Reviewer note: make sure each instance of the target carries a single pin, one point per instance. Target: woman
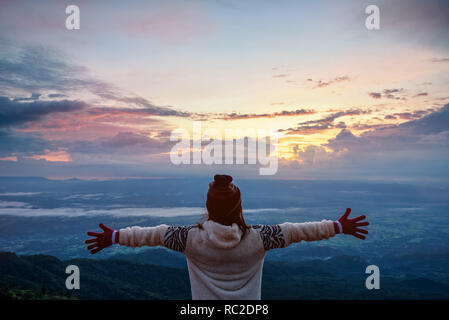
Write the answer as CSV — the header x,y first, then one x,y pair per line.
x,y
224,255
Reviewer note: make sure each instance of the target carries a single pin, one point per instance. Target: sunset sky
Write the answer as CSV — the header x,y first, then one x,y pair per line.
x,y
346,102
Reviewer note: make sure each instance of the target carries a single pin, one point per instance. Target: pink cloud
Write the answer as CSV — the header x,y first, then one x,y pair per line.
x,y
13,159
53,156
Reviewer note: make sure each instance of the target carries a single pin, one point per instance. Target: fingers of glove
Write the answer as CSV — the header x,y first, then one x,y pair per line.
x,y
346,214
91,240
359,236
358,218
361,230
106,229
96,250
92,246
362,224
93,234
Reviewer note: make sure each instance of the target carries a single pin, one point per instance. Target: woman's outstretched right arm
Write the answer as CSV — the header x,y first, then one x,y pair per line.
x,y
172,237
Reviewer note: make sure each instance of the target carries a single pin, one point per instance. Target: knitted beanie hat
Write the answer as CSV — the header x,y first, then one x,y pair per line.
x,y
223,198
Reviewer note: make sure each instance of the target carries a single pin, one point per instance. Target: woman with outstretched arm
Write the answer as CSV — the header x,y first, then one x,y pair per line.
x,y
224,255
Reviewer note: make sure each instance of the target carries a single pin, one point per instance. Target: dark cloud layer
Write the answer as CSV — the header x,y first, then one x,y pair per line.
x,y
14,113
22,144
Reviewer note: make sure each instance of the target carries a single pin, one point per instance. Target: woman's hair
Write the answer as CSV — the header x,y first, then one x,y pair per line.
x,y
224,203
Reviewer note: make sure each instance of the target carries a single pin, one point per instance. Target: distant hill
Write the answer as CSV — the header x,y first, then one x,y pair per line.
x,y
100,279
155,255
342,277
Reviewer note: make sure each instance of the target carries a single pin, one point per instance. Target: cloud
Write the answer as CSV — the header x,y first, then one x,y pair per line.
x,y
391,93
49,127
34,96
60,155
422,94
311,155
409,115
18,194
322,84
333,116
345,140
414,150
366,126
322,124
35,69
307,130
282,75
14,113
428,132
22,209
434,122
123,147
145,106
397,94
56,95
394,146
14,159
438,60
13,144
284,113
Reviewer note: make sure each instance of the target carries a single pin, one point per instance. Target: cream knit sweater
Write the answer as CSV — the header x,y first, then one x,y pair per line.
x,y
222,264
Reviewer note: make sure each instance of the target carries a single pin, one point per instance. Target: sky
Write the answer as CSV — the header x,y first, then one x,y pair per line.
x,y
344,102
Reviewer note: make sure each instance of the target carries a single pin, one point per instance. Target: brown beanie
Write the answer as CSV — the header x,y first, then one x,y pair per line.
x,y
223,199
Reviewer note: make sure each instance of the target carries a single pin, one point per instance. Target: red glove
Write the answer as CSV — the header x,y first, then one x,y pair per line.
x,y
102,240
351,226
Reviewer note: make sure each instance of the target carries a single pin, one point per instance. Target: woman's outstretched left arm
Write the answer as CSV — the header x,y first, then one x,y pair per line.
x,y
313,231
282,235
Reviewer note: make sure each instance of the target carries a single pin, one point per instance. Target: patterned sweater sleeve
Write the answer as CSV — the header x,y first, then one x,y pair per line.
x,y
282,235
172,237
